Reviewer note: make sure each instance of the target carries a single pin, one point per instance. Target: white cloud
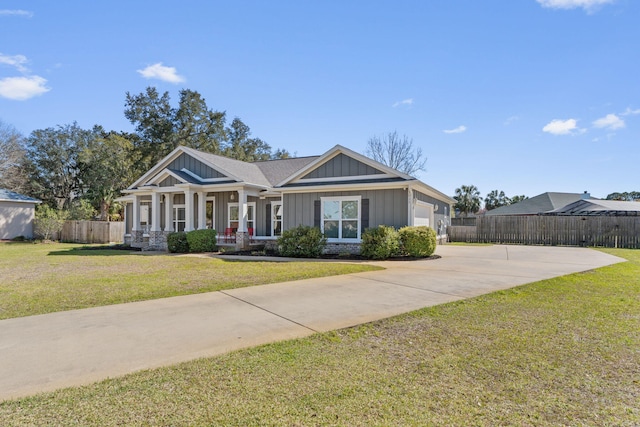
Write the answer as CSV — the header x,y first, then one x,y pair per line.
x,y
630,112
511,120
459,129
610,121
408,101
22,88
562,127
16,12
587,5
16,61
159,71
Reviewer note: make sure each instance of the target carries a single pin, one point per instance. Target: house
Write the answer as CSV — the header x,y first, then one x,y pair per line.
x,y
596,207
341,192
16,215
539,204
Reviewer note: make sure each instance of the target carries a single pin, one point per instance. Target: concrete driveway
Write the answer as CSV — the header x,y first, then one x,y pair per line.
x,y
47,352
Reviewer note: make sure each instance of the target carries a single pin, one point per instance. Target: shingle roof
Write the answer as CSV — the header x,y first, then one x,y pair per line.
x,y
277,170
539,204
12,196
598,207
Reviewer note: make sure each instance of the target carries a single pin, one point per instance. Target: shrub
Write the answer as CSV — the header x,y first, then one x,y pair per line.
x,y
48,222
381,242
177,242
302,242
417,241
202,240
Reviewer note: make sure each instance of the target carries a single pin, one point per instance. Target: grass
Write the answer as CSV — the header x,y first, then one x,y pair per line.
x,y
43,278
557,352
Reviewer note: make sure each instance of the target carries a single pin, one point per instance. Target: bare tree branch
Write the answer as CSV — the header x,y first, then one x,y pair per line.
x,y
396,152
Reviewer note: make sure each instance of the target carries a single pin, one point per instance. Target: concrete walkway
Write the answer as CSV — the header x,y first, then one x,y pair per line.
x,y
47,352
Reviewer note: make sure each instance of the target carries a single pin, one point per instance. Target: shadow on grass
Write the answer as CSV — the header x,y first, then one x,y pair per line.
x,y
109,250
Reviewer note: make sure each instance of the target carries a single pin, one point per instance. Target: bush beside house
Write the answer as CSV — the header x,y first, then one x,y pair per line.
x,y
301,242
384,242
417,241
193,241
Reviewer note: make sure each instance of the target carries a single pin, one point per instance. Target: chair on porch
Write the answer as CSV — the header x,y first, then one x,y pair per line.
x,y
228,235
250,235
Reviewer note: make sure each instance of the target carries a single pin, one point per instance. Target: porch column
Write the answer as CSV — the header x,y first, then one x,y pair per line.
x,y
155,211
242,211
135,218
188,210
168,212
242,235
202,210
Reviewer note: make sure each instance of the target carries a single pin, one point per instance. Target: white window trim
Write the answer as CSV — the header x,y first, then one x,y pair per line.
x,y
253,204
175,216
359,219
213,211
273,228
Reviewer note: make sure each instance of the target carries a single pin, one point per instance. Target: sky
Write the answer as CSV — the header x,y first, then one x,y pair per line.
x,y
522,96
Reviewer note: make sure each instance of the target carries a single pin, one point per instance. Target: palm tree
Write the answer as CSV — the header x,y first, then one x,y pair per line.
x,y
468,197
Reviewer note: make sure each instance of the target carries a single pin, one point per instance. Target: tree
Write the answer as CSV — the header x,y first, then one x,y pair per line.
x,y
12,157
54,166
630,196
48,221
496,199
241,147
468,199
518,199
161,129
396,152
196,126
107,165
152,116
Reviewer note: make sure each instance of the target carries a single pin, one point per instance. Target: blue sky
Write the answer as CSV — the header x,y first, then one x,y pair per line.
x,y
524,96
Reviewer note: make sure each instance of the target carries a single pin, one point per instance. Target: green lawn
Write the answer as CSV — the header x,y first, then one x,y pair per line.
x,y
558,352
43,278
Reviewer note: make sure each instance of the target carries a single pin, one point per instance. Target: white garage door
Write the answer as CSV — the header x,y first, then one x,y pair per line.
x,y
423,214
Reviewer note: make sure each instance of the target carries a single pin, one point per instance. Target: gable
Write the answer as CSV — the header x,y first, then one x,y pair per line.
x,y
169,181
342,166
195,166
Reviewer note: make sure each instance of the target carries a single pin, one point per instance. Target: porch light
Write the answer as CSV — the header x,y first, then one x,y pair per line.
x,y
232,196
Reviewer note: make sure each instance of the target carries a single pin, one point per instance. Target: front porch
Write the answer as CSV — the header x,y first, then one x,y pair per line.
x,y
243,219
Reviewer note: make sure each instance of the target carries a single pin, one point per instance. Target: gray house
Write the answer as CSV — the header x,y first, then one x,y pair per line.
x,y
341,192
16,215
539,204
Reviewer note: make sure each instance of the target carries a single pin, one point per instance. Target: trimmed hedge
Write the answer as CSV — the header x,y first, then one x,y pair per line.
x,y
194,241
418,241
177,242
381,242
202,240
302,242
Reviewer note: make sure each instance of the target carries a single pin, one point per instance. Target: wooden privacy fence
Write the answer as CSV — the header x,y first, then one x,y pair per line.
x,y
92,232
606,231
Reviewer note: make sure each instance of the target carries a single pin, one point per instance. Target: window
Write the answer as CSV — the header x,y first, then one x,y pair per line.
x,y
276,218
210,209
234,220
341,217
179,217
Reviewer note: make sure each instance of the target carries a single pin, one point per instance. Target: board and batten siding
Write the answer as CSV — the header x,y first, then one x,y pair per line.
x,y
386,207
341,166
185,161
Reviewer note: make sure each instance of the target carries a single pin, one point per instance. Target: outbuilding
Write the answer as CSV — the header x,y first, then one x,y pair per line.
x,y
17,213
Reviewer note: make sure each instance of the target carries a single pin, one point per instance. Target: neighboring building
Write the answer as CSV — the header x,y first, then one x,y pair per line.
x,y
539,204
16,215
591,207
341,192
